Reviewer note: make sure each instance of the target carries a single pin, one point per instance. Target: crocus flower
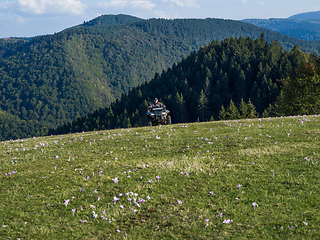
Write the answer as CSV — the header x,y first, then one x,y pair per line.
x,y
227,221
254,205
66,202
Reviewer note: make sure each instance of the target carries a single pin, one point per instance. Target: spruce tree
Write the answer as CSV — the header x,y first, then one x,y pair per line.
x,y
232,111
180,113
241,87
202,105
243,110
222,113
252,110
300,94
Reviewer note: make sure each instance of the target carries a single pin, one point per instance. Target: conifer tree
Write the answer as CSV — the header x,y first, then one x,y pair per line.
x,y
243,110
252,110
300,94
255,96
265,113
232,111
241,86
224,91
180,113
202,105
222,113
126,122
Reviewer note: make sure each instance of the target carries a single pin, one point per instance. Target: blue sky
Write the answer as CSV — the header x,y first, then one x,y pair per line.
x,y
26,18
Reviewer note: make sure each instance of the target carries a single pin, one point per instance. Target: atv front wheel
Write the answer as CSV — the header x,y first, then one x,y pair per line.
x,y
149,123
168,120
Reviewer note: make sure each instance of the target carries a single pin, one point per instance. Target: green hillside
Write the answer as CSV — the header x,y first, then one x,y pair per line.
x,y
49,80
241,179
198,86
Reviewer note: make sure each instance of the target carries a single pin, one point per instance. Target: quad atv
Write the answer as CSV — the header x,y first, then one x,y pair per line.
x,y
158,115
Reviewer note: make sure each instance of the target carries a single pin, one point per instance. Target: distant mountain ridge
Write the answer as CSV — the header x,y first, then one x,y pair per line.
x,y
306,15
304,26
107,20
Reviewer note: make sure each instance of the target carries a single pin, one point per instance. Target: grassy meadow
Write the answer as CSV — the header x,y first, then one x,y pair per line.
x,y
237,179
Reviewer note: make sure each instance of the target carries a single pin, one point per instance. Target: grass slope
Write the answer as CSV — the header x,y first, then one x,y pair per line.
x,y
233,179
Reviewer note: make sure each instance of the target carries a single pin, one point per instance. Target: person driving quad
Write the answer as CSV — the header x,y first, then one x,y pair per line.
x,y
157,114
156,104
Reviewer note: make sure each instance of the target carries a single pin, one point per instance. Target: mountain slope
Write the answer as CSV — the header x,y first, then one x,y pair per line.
x,y
50,80
197,87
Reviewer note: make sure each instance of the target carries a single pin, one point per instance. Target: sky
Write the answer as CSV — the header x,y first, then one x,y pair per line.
x,y
28,18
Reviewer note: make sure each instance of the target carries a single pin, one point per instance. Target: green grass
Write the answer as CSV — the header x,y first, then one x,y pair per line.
x,y
276,162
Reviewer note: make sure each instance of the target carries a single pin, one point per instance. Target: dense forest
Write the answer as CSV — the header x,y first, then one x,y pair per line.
x,y
240,71
49,80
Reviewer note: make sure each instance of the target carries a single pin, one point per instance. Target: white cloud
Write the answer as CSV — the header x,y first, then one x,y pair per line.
x,y
261,3
183,3
161,14
243,1
135,4
6,5
40,7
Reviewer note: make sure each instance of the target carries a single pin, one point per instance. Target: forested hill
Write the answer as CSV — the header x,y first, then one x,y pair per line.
x,y
49,80
108,20
198,86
